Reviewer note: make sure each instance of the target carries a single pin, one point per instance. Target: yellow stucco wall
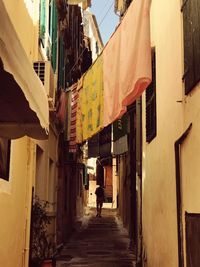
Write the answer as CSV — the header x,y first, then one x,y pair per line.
x,y
15,198
15,205
15,195
48,149
159,188
45,182
191,153
190,158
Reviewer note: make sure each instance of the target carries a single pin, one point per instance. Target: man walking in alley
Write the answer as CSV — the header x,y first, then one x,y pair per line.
x,y
99,199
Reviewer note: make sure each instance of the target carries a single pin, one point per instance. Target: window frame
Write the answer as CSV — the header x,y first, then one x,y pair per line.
x,y
191,39
5,156
150,98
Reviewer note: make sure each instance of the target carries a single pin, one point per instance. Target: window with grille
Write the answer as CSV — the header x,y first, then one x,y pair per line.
x,y
39,68
4,158
191,28
151,103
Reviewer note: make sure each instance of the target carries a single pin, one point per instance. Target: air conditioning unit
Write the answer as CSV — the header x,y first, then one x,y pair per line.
x,y
45,72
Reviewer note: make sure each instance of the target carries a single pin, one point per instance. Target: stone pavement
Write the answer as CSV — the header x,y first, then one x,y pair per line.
x,y
100,242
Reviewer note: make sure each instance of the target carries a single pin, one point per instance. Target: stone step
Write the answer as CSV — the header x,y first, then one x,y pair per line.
x,y
101,243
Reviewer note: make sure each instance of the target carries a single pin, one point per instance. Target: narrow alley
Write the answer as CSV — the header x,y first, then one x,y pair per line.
x,y
99,107
100,242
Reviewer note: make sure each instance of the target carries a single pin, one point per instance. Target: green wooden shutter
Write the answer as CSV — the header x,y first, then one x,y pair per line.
x,y
191,24
42,21
151,124
53,34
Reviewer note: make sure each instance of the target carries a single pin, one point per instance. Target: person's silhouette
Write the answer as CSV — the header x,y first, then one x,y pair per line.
x,y
99,199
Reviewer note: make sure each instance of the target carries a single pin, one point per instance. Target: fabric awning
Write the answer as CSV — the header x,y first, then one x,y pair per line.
x,y
23,100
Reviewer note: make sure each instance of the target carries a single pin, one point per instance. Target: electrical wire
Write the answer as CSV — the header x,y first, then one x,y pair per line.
x,y
99,13
112,4
85,47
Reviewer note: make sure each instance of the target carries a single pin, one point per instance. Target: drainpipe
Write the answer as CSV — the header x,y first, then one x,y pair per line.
x,y
31,229
177,147
139,248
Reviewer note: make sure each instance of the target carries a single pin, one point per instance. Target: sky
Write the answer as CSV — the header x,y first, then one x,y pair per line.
x,y
106,17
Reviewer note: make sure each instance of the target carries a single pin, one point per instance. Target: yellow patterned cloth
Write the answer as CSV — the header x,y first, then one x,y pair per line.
x,y
90,103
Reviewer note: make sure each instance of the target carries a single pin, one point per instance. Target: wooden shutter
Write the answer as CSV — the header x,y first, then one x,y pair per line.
x,y
53,34
191,24
42,21
151,103
192,239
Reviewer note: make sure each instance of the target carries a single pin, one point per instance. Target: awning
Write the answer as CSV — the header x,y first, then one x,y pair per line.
x,y
23,100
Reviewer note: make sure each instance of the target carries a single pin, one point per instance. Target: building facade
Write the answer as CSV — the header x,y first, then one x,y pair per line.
x,y
170,138
166,215
77,58
28,133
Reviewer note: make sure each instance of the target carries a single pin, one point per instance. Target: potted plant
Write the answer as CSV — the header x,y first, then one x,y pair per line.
x,y
41,245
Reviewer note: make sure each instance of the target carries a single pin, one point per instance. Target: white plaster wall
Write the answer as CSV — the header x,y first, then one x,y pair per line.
x,y
159,191
92,43
93,34
92,196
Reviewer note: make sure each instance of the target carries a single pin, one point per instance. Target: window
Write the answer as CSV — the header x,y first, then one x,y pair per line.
x,y
51,185
48,30
40,185
61,60
151,103
97,49
191,28
192,221
4,158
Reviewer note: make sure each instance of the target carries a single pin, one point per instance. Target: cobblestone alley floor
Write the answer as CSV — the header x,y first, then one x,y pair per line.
x,y
100,242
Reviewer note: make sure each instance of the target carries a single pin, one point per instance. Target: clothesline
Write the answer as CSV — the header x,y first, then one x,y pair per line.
x,y
119,75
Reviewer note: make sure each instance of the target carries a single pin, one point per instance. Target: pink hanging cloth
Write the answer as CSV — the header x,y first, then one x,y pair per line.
x,y
127,61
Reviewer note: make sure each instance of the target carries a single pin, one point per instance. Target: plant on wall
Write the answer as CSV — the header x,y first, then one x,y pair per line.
x,y
42,247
